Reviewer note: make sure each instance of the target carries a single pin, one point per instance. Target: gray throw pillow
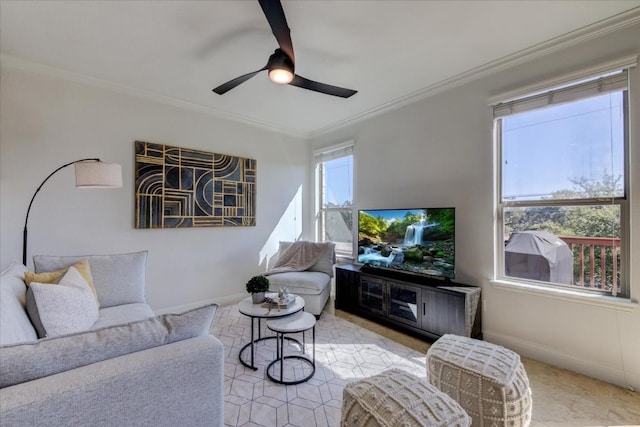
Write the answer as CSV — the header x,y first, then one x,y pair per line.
x,y
29,361
63,308
118,279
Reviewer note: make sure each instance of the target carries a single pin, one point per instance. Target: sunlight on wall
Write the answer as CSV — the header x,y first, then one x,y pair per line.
x,y
289,228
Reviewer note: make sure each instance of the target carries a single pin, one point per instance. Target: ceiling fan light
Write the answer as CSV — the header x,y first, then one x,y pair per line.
x,y
280,75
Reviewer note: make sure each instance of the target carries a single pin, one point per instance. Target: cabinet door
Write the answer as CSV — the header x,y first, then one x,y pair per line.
x,y
442,312
347,282
371,294
404,303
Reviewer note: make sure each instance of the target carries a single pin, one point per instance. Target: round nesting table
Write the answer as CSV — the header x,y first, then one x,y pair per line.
x,y
257,311
298,322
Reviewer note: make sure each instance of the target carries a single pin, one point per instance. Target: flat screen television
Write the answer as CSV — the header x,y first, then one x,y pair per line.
x,y
418,241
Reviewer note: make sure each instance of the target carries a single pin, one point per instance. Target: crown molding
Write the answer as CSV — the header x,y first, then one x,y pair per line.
x,y
589,32
11,61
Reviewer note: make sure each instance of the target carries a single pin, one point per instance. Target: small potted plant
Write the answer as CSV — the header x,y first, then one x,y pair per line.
x,y
257,286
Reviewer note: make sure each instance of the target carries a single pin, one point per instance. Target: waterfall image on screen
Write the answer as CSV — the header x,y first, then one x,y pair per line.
x,y
418,241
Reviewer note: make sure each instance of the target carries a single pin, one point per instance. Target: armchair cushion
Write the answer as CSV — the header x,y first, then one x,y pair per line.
x,y
118,279
299,282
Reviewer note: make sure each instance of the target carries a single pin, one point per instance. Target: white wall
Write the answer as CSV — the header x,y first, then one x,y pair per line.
x,y
47,122
439,152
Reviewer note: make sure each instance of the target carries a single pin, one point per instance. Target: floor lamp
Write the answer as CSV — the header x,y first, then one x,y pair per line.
x,y
90,173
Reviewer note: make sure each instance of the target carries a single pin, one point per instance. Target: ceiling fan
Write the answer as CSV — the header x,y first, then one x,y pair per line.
x,y
281,63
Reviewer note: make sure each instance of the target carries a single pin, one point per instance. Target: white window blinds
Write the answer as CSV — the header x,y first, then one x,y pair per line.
x,y
333,152
594,87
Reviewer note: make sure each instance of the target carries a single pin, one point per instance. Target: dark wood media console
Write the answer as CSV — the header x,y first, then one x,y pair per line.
x,y
422,305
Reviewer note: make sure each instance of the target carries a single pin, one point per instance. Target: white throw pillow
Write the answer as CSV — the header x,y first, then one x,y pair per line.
x,y
64,308
14,324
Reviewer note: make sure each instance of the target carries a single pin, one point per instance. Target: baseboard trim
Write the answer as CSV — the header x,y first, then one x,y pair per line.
x,y
546,355
221,301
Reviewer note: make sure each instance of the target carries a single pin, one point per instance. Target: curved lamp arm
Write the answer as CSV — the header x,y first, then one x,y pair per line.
x,y
26,220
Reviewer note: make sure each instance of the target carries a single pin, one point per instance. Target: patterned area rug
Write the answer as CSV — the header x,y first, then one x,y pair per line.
x,y
344,353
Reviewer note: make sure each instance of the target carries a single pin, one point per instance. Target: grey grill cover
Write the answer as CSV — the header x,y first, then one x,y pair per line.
x,y
538,255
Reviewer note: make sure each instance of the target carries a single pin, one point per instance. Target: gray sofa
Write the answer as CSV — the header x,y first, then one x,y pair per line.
x,y
130,368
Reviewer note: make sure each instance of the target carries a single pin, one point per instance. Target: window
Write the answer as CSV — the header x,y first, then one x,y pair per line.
x,y
334,195
562,196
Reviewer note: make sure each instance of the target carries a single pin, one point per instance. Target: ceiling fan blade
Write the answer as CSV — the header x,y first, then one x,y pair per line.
x,y
275,16
322,87
226,87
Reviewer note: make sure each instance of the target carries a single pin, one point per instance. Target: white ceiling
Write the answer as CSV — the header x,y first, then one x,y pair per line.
x,y
390,51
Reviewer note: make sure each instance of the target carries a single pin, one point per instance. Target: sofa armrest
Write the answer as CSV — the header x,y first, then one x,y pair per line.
x,y
175,384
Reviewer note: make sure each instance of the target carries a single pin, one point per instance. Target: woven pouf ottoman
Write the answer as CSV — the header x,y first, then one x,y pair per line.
x,y
396,398
487,380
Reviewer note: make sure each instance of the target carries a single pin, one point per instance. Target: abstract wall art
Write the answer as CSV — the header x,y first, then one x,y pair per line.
x,y
179,187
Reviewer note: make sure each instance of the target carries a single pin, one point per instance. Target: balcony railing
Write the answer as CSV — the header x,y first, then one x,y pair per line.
x,y
595,260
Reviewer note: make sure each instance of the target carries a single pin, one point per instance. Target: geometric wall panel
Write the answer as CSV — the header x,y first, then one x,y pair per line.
x,y
178,187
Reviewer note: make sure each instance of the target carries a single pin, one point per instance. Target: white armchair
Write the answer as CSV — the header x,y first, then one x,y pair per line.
x,y
305,269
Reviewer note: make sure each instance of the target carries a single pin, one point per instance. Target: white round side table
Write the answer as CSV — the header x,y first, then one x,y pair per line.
x,y
298,322
257,311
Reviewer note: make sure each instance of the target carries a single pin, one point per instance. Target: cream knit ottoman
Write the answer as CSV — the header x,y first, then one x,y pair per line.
x,y
396,398
487,380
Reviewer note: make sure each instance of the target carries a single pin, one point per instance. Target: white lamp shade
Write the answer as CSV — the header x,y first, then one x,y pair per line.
x,y
92,174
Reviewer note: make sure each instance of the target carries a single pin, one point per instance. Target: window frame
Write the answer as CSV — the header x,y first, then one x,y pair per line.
x,y
622,201
320,157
